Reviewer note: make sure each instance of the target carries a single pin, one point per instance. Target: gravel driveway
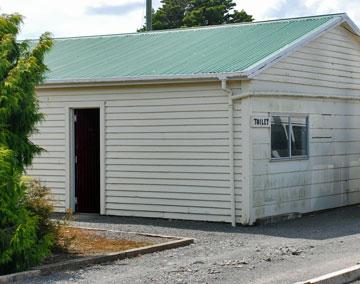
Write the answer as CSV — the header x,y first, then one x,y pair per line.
x,y
285,252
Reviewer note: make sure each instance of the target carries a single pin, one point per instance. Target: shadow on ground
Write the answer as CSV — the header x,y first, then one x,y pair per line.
x,y
327,224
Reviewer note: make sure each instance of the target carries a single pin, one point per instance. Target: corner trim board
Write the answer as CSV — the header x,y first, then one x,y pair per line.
x,y
229,92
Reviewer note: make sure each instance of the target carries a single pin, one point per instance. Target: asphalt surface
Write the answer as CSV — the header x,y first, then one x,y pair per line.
x,y
285,252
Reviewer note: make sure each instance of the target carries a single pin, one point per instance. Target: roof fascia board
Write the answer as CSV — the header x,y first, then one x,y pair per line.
x,y
269,61
135,81
355,29
145,80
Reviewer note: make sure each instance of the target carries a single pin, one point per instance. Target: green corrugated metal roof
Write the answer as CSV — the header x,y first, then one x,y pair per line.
x,y
184,52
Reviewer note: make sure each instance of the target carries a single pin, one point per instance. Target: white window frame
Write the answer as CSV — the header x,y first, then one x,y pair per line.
x,y
289,131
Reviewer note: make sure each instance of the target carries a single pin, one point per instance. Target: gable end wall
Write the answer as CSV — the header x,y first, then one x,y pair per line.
x,y
328,66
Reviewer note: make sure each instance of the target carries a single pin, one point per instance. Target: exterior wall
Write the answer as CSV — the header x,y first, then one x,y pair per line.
x,y
331,175
166,149
328,66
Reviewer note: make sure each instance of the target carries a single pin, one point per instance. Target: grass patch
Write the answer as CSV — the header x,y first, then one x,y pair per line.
x,y
91,242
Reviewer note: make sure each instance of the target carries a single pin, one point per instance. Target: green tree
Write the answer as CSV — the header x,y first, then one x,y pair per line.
x,y
170,15
21,69
240,17
22,243
213,12
191,13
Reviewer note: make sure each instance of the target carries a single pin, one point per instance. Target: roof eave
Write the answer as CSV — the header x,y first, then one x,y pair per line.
x,y
144,79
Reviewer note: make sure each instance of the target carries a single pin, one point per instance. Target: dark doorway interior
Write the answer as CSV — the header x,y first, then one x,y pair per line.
x,y
87,160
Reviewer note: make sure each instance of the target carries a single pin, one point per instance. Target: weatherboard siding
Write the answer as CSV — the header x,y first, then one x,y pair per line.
x,y
331,176
328,65
166,150
50,166
164,155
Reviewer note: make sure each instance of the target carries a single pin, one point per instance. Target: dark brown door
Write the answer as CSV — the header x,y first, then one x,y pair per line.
x,y
87,160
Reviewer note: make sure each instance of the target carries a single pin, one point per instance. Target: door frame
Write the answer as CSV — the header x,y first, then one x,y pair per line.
x,y
70,152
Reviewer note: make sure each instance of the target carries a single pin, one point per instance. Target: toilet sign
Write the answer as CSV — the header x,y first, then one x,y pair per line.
x,y
260,121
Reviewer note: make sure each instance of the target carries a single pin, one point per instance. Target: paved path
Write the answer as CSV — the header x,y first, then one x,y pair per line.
x,y
285,252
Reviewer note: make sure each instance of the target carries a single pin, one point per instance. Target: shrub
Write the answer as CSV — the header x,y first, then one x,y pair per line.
x,y
21,243
37,200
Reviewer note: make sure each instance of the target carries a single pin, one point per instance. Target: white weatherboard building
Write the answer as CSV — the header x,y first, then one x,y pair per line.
x,y
229,123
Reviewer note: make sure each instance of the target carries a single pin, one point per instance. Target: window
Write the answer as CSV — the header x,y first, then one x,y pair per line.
x,y
289,137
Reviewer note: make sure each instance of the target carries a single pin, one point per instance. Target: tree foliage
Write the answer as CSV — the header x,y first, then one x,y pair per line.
x,y
21,69
213,12
23,243
170,15
190,13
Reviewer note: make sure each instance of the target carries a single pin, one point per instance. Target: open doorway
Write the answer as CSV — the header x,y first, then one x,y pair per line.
x,y
87,160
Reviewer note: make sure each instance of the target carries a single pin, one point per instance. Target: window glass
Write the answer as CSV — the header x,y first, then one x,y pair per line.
x,y
279,137
289,136
299,137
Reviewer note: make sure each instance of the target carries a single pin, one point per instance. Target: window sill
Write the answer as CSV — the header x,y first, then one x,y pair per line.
x,y
299,158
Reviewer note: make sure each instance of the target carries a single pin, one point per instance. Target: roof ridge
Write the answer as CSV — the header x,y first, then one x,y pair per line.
x,y
184,29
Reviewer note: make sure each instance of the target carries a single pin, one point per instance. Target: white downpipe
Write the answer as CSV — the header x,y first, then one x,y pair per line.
x,y
231,150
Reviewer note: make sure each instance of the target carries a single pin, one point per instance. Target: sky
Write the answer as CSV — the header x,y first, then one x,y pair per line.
x,y
64,18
